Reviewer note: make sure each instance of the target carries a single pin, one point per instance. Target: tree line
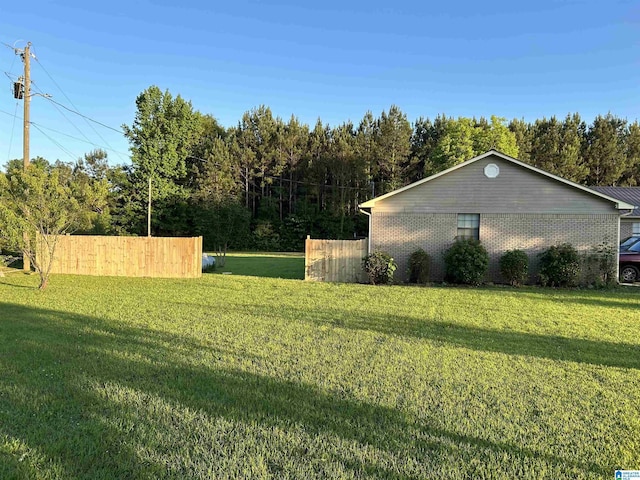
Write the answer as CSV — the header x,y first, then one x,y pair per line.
x,y
267,182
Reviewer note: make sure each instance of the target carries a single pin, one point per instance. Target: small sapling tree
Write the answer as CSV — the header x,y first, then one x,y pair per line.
x,y
37,206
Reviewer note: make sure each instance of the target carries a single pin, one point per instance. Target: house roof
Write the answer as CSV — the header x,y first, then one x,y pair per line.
x,y
625,194
620,203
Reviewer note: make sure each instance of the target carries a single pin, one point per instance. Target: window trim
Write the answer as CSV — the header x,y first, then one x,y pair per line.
x,y
470,226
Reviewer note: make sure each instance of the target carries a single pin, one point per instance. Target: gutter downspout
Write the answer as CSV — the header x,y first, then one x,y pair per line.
x,y
618,243
368,214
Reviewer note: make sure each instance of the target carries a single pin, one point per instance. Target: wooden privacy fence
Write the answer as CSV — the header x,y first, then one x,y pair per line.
x,y
334,260
174,257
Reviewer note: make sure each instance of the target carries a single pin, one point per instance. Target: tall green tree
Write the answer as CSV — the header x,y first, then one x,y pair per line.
x,y
557,147
342,169
162,136
458,140
240,147
316,164
494,135
257,142
605,153
366,149
215,173
455,145
91,175
127,202
522,132
223,223
212,171
545,145
393,142
294,141
423,140
631,177
571,163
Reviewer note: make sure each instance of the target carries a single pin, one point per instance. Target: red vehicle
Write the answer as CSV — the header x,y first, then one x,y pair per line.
x,y
629,261
627,242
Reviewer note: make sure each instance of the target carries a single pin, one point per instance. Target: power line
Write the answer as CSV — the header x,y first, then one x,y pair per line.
x,y
13,62
10,114
86,119
17,117
73,157
84,116
62,113
10,46
13,127
75,111
76,138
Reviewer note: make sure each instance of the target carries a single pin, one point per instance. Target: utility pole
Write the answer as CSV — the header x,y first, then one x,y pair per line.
x,y
26,58
149,210
24,92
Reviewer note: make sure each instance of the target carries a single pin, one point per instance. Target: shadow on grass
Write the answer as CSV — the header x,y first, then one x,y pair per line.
x,y
629,300
51,360
553,347
13,285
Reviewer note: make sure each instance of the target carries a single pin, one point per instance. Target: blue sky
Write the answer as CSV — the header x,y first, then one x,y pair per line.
x,y
334,60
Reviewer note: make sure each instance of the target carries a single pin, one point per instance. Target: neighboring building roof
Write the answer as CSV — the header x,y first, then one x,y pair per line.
x,y
626,194
620,204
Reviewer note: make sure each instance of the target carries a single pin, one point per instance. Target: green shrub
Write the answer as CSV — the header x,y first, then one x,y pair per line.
x,y
419,262
466,261
379,267
599,265
514,267
265,237
559,266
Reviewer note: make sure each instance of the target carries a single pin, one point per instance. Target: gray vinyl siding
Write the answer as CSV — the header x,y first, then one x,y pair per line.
x,y
515,190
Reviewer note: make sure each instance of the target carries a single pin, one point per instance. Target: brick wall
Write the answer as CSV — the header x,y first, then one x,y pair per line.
x,y
400,234
626,227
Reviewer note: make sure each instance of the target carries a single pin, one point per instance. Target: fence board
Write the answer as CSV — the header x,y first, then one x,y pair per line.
x,y
334,260
169,257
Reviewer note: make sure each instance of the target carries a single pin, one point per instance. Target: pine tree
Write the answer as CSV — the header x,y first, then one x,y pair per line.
x,y
571,164
522,132
367,148
393,140
294,142
605,153
631,176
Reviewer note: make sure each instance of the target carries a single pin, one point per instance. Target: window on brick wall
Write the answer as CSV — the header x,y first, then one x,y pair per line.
x,y
469,225
635,229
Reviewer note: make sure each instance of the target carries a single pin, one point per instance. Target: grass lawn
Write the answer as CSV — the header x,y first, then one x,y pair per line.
x,y
234,376
270,265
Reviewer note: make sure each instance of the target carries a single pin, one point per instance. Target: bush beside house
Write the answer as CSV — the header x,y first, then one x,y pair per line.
x,y
379,267
514,267
419,262
466,261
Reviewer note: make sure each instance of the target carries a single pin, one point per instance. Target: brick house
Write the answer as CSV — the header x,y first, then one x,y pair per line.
x,y
629,224
504,203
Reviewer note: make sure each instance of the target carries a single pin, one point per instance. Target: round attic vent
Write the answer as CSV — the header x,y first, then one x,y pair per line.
x,y
492,170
